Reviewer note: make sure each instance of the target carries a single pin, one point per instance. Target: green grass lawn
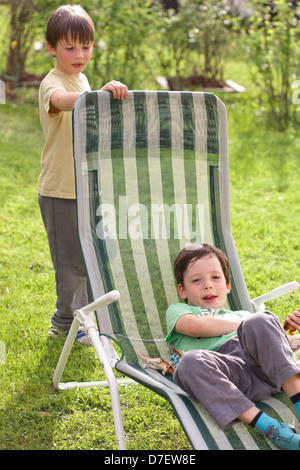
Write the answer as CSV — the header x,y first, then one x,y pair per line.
x,y
265,207
264,182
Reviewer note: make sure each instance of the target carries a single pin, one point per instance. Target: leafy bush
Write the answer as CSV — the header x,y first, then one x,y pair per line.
x,y
273,45
196,40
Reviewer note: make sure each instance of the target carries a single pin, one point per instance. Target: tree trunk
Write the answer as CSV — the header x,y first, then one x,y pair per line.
x,y
21,37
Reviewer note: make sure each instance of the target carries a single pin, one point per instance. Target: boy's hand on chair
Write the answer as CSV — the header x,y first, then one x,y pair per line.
x,y
118,89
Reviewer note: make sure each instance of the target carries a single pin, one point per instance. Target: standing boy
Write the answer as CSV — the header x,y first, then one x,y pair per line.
x,y
231,359
70,38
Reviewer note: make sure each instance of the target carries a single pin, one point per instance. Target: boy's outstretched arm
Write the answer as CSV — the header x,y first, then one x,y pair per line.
x,y
62,100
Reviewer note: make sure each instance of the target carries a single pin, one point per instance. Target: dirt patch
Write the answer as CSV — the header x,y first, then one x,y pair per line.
x,y
198,83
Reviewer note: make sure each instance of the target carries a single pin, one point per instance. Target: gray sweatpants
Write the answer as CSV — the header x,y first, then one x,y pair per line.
x,y
59,217
246,368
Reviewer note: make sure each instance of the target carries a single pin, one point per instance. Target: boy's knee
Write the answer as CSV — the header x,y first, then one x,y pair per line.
x,y
257,323
259,318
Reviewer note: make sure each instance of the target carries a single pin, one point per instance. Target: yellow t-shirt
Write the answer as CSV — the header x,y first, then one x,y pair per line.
x,y
57,175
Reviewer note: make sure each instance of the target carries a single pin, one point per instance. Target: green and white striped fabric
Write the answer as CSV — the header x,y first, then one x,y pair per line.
x,y
152,177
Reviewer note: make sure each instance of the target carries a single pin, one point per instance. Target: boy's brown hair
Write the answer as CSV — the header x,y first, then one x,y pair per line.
x,y
70,22
192,253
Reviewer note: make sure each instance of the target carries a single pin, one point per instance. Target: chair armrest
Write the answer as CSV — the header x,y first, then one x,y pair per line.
x,y
258,303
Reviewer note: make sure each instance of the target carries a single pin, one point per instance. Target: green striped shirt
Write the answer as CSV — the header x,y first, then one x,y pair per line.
x,y
186,343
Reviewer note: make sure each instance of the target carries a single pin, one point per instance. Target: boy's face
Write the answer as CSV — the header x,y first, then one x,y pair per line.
x,y
71,56
204,284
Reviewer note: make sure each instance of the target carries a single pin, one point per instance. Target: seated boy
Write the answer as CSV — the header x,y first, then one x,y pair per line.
x,y
231,359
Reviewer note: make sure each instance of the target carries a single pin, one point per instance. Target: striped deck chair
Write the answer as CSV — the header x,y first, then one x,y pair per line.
x,y
152,177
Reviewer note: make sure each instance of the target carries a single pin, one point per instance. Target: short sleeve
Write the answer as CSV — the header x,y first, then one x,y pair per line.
x,y
47,88
174,312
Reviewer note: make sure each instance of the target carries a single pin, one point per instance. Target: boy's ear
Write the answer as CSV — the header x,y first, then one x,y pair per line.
x,y
228,288
51,49
181,292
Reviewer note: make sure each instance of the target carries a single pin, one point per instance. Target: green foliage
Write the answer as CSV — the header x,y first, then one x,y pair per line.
x,y
126,33
273,45
137,41
4,24
196,39
20,33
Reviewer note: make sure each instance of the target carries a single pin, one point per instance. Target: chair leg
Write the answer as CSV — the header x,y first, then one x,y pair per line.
x,y
85,316
113,387
66,352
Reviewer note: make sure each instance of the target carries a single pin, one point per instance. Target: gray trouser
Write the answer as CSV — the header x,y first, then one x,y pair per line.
x,y
59,217
247,368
